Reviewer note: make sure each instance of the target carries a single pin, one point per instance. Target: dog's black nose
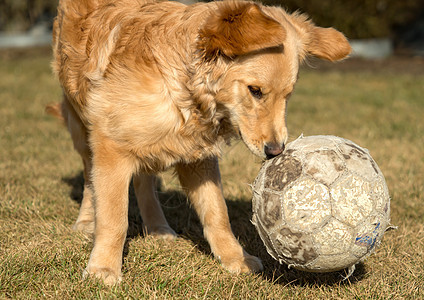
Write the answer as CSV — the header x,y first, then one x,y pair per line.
x,y
273,149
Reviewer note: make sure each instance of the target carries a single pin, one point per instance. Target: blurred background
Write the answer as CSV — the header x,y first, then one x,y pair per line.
x,y
393,26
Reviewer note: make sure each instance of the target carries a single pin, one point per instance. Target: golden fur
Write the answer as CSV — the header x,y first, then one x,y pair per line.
x,y
149,85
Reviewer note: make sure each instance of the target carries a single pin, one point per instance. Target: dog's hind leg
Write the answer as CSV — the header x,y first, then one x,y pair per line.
x,y
85,220
154,220
202,183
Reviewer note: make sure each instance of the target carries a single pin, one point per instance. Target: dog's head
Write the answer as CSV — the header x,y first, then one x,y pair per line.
x,y
257,51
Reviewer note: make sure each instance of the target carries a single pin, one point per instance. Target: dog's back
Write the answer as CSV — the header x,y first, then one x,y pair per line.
x,y
69,39
84,34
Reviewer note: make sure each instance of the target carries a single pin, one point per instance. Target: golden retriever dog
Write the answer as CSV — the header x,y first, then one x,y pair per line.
x,y
151,85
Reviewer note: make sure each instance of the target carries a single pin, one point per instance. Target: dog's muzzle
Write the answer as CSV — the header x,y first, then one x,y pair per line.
x,y
273,149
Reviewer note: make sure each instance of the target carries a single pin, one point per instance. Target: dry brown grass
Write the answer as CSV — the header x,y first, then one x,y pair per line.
x,y
41,188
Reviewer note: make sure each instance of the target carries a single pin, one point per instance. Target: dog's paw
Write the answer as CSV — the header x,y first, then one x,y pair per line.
x,y
245,264
86,226
107,275
161,232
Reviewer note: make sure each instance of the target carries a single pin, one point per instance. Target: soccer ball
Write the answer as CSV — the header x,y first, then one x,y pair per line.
x,y
321,206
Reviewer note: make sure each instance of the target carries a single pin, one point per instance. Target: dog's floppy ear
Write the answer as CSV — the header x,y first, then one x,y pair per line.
x,y
327,43
239,28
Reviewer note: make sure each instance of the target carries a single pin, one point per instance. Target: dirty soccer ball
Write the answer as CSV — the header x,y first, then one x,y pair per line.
x,y
321,206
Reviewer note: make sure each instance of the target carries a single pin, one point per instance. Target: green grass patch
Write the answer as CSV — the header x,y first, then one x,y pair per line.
x,y
41,190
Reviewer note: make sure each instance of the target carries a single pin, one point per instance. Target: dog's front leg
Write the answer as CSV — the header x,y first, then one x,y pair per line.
x,y
111,174
202,183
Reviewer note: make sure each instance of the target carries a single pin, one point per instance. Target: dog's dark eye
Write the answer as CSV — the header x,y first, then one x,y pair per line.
x,y
255,91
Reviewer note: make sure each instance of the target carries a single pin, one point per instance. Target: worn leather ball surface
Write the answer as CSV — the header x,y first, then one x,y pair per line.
x,y
322,205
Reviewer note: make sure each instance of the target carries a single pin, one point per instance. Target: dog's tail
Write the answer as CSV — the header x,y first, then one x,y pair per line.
x,y
56,110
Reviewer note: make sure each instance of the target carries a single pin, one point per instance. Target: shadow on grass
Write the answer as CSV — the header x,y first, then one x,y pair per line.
x,y
183,219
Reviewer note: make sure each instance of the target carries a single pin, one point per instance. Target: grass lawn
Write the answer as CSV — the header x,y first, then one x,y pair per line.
x,y
41,190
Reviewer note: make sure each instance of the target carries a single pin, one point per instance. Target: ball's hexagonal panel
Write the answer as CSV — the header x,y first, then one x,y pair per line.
x,y
312,143
329,263
281,171
380,195
265,237
306,204
259,180
293,247
369,234
358,160
352,199
270,212
334,238
324,165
